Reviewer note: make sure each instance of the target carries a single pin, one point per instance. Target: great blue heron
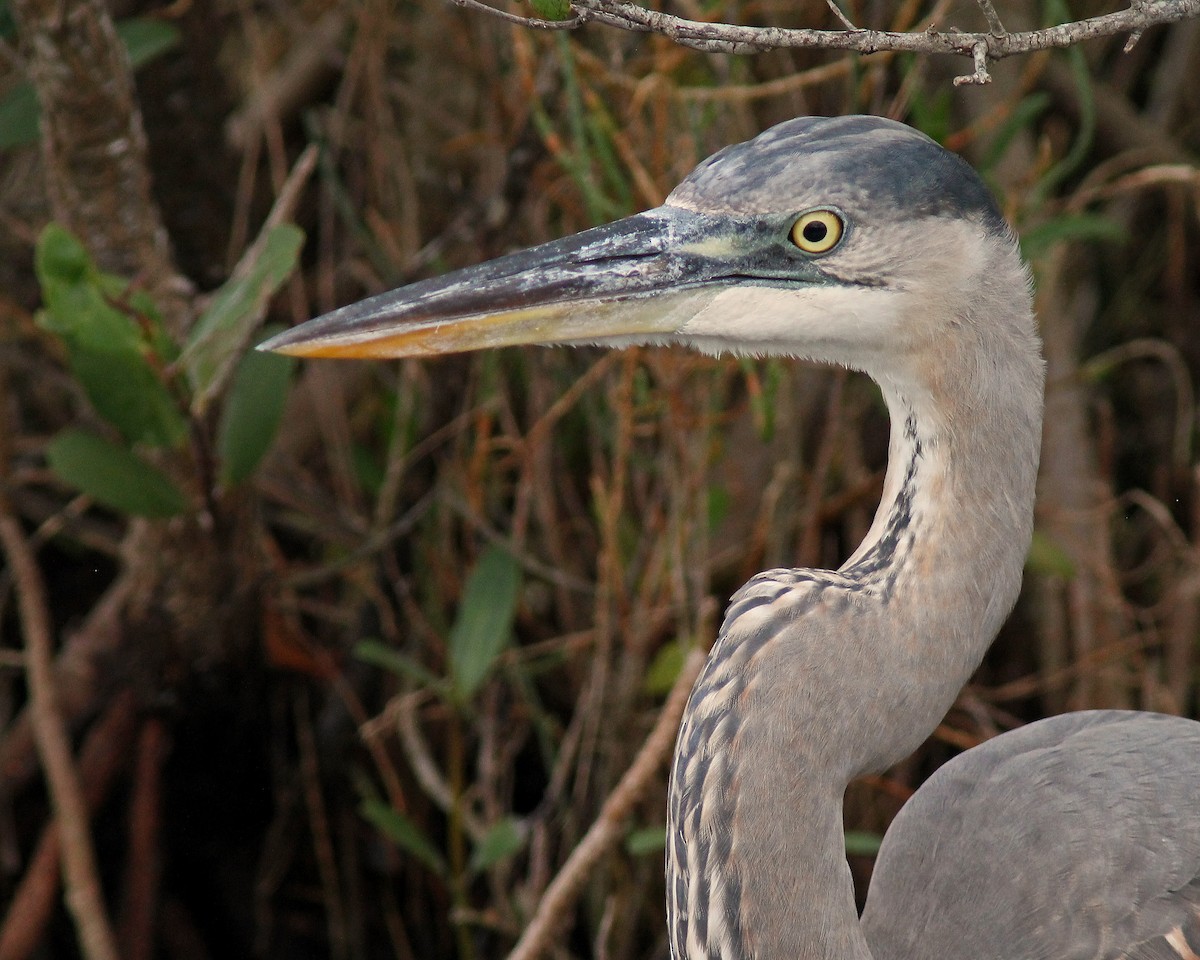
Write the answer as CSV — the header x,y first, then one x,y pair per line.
x,y
858,241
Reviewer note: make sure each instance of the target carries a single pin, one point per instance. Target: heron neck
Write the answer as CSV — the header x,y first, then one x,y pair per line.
x,y
820,676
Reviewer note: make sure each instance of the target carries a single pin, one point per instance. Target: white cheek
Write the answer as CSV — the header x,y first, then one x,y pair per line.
x,y
844,325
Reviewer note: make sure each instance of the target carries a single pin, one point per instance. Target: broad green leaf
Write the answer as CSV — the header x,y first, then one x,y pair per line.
x,y
111,353
862,843
646,840
484,624
144,38
552,9
252,412
113,476
403,833
500,842
1047,558
220,335
664,668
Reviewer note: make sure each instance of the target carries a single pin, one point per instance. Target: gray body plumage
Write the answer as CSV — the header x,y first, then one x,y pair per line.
x,y
1075,838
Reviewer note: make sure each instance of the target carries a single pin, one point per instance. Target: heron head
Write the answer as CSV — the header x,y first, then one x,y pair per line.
x,y
830,238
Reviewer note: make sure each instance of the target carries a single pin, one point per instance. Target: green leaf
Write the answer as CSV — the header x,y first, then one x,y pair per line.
x,y
8,27
862,843
1081,226
646,840
932,107
664,669
113,475
500,842
111,354
220,335
253,411
144,38
720,502
552,9
19,117
484,623
403,833
381,655
1024,115
1047,558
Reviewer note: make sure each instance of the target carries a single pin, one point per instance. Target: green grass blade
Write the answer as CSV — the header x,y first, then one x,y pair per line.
x,y
403,833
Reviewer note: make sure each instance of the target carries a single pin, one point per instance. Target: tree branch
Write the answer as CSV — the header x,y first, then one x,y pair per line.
x,y
981,48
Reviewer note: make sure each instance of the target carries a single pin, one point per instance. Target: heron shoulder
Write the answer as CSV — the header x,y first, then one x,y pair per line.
x,y
1079,832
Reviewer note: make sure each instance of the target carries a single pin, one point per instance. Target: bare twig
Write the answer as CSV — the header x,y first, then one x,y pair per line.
x,y
535,22
289,87
1169,355
605,832
319,828
842,18
982,48
83,894
981,75
139,907
422,764
102,756
995,27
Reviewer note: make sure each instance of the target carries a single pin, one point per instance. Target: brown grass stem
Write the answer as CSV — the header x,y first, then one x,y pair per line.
x,y
604,833
84,896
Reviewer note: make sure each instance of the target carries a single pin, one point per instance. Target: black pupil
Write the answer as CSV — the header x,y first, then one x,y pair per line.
x,y
815,231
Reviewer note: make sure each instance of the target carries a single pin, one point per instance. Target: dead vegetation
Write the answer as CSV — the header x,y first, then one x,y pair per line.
x,y
368,699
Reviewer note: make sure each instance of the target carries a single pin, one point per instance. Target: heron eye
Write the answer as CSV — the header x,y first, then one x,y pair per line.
x,y
818,231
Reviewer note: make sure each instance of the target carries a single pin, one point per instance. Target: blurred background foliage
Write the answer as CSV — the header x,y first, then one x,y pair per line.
x,y
354,653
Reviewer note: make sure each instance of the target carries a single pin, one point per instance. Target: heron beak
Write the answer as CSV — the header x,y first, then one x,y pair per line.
x,y
637,280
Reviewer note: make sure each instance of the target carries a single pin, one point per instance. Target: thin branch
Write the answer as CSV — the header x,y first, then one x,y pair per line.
x,y
102,756
424,767
995,27
606,831
535,22
84,897
980,54
139,905
837,12
982,48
